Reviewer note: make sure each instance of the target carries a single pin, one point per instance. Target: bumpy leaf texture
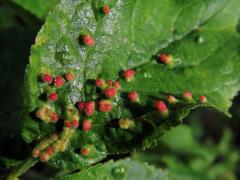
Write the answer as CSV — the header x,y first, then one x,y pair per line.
x,y
122,169
199,37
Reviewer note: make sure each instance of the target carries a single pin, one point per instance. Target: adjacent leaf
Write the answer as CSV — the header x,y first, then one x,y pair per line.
x,y
188,158
122,169
7,14
14,16
205,62
40,8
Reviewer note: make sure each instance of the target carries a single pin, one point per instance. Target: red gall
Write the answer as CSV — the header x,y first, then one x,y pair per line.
x,y
81,106
106,9
59,81
171,99
110,92
54,117
69,76
46,78
129,74
163,57
161,107
117,85
86,125
44,157
105,106
88,40
99,83
75,123
89,108
203,99
167,59
35,152
187,96
50,151
133,96
53,96
67,123
85,151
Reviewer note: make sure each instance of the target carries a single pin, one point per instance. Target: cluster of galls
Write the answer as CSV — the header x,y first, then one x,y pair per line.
x,y
70,125
58,143
46,112
46,148
128,75
166,59
54,144
57,82
186,96
50,146
109,89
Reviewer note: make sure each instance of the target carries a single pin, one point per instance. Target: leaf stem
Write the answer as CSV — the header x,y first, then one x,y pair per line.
x,y
22,168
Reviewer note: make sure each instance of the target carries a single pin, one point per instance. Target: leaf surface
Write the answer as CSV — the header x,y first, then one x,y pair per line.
x,y
122,169
205,52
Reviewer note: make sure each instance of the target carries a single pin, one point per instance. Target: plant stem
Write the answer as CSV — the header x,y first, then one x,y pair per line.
x,y
22,168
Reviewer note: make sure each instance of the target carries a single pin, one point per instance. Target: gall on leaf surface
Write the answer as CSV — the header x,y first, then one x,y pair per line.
x,y
132,36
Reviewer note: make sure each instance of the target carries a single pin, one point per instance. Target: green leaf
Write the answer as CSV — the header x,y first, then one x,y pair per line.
x,y
122,169
7,14
201,36
40,8
190,158
14,16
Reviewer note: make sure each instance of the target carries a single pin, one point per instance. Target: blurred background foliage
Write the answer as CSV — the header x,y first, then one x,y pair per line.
x,y
206,146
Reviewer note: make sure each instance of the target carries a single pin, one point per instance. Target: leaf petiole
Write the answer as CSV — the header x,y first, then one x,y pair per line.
x,y
22,168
